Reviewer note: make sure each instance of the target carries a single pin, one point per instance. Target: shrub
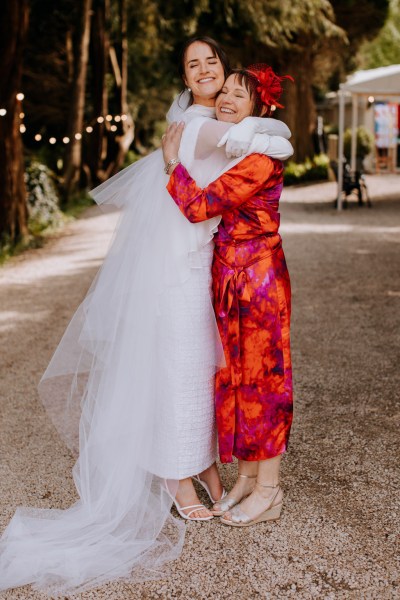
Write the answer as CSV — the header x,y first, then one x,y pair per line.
x,y
365,142
315,169
42,198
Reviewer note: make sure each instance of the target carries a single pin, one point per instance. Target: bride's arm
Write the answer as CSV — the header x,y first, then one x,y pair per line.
x,y
211,132
209,136
239,137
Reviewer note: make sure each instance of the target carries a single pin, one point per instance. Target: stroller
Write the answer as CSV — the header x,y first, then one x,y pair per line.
x,y
352,183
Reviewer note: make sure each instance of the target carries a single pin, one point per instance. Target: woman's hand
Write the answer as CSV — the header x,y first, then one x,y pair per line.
x,y
171,141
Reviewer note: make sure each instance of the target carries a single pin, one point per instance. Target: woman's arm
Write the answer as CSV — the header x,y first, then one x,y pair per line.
x,y
239,137
211,132
229,191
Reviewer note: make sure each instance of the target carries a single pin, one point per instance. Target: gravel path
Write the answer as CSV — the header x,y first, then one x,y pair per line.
x,y
337,536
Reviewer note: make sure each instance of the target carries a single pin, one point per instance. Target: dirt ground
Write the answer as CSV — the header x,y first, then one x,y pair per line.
x,y
338,534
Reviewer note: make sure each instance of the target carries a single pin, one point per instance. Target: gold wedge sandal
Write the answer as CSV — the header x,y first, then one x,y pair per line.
x,y
272,513
226,503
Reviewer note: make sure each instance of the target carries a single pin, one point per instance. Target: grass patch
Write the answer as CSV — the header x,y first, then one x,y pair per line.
x,y
39,233
77,205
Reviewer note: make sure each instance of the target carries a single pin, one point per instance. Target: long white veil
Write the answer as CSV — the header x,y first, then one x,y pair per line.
x,y
107,389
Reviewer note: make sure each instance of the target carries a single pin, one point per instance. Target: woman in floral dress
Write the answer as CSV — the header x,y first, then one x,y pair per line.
x,y
252,303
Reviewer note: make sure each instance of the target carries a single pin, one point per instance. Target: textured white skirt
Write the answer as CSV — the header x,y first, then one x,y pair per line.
x,y
187,342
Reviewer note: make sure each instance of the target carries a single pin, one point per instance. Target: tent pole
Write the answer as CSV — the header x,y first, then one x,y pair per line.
x,y
354,123
340,150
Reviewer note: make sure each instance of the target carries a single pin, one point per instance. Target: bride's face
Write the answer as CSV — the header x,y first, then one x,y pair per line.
x,y
204,73
234,102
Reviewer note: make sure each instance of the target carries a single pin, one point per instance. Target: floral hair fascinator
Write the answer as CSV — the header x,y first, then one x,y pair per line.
x,y
269,84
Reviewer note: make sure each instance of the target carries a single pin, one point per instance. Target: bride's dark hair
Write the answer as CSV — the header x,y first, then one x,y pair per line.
x,y
216,49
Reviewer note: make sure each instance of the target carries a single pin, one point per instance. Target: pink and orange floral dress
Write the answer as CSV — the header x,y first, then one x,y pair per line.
x,y
254,399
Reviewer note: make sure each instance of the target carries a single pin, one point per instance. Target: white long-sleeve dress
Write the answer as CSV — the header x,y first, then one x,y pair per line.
x,y
130,388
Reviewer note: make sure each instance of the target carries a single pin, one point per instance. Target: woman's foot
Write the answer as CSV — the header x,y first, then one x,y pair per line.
x,y
212,479
262,499
186,496
243,487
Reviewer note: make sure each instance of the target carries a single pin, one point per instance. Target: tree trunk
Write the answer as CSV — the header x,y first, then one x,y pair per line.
x,y
100,47
73,158
300,111
123,140
13,207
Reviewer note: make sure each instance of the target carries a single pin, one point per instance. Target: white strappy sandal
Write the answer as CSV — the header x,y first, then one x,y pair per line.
x,y
193,507
205,486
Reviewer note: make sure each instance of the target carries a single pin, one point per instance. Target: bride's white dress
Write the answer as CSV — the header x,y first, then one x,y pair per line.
x,y
130,389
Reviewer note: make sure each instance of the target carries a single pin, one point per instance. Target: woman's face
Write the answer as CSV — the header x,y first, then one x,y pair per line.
x,y
204,73
233,103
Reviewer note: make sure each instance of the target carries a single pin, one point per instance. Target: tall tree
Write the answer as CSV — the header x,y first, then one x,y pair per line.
x,y
13,210
96,150
73,157
384,49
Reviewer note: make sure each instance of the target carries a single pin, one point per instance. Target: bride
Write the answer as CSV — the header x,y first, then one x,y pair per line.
x,y
130,387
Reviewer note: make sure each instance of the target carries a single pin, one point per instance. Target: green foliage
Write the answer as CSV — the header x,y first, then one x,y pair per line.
x,y
385,48
42,198
365,142
315,169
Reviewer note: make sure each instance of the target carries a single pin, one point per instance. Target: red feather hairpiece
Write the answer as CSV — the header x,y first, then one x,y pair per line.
x,y
270,84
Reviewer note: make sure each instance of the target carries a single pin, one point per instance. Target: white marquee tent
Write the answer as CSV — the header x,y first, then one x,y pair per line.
x,y
382,83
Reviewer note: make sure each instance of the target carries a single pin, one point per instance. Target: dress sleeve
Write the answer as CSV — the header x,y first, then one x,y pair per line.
x,y
229,191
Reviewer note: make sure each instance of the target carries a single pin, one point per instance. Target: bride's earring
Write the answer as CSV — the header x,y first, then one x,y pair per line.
x,y
188,89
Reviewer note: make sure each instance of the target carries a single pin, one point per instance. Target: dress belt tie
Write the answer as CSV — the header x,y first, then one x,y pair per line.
x,y
235,288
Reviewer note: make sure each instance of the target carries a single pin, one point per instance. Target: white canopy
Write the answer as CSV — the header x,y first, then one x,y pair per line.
x,y
382,82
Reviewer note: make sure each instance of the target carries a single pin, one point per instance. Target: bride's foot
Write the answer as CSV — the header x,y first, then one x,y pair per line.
x,y
213,486
188,501
263,504
243,487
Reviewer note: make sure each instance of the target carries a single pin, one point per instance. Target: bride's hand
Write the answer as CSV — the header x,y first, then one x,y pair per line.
x,y
171,141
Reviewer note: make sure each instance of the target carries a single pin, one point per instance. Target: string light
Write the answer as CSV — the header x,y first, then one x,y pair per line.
x,y
78,136
371,99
